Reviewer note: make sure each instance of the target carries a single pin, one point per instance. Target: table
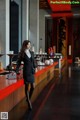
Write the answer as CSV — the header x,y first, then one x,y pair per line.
x,y
11,57
1,55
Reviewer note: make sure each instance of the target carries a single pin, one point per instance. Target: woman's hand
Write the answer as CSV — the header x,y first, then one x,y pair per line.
x,y
36,70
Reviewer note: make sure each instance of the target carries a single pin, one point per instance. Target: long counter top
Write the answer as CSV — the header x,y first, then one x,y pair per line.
x,y
9,86
12,91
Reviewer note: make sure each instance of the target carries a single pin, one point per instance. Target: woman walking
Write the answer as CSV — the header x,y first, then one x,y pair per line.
x,y
29,66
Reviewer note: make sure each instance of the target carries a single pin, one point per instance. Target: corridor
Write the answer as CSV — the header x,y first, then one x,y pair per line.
x,y
60,100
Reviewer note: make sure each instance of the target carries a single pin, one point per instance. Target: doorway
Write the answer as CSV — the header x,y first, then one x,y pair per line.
x,y
14,25
50,33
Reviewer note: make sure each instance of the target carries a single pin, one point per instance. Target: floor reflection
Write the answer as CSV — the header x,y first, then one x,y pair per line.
x,y
69,72
28,115
61,102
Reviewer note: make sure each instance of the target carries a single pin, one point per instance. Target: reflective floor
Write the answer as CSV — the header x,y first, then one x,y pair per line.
x,y
58,101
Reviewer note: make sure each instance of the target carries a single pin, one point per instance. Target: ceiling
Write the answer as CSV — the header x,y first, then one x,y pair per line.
x,y
43,4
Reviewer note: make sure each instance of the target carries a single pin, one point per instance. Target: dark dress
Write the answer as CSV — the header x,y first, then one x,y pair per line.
x,y
28,67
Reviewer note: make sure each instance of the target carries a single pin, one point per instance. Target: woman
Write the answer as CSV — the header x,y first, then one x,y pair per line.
x,y
27,57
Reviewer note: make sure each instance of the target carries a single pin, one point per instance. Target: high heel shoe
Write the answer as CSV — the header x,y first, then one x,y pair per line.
x,y
29,104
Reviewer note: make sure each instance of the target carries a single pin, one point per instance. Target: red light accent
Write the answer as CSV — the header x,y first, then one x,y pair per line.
x,y
69,60
45,69
58,5
8,90
66,14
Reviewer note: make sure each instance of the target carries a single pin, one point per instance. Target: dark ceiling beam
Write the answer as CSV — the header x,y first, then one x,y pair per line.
x,y
43,4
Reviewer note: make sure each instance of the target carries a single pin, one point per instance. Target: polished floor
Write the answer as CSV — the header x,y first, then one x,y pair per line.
x,y
58,101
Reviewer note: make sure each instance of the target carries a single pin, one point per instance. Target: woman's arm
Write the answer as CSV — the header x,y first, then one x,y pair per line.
x,y
18,63
34,63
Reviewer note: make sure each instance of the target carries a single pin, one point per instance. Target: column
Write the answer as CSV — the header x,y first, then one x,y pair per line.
x,y
7,21
25,20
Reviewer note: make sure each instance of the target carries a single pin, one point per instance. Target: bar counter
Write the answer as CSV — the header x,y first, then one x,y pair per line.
x,y
12,91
